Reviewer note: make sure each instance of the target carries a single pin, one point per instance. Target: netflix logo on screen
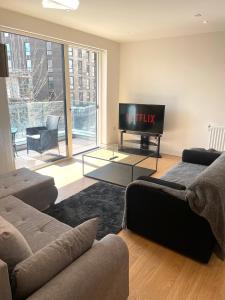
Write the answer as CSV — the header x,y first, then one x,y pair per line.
x,y
141,117
145,118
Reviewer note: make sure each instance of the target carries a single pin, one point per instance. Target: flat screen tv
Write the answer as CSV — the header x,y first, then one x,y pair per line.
x,y
141,117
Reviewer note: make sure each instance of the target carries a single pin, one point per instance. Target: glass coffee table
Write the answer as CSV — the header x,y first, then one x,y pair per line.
x,y
115,165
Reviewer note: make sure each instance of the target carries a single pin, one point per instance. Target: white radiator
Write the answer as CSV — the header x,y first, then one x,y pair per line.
x,y
217,138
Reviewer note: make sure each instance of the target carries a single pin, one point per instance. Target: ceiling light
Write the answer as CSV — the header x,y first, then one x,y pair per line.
x,y
205,22
61,4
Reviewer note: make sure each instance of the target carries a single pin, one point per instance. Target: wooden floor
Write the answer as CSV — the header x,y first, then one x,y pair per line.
x,y
156,273
35,160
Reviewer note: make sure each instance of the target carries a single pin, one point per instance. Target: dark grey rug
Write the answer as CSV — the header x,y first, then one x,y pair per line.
x,y
103,200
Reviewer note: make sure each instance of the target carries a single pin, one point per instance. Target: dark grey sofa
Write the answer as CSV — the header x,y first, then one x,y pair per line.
x,y
157,209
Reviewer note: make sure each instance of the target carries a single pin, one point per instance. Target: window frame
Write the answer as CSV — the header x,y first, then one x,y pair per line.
x,y
66,44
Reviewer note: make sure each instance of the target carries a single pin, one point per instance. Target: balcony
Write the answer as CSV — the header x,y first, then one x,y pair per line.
x,y
32,114
36,89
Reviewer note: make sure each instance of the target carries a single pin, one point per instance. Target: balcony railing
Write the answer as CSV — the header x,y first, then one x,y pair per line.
x,y
32,114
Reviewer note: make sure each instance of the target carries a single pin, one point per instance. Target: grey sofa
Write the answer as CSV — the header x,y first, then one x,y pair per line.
x,y
32,188
184,209
101,273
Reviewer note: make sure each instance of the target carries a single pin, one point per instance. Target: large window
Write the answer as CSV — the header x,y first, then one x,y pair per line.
x,y
35,91
83,86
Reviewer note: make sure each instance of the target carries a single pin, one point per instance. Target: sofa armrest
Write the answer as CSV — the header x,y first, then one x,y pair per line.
x,y
5,289
100,273
146,196
162,182
163,215
201,157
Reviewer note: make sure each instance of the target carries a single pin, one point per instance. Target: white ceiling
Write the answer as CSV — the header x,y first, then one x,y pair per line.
x,y
132,20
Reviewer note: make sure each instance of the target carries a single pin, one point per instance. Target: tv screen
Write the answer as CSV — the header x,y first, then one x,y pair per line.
x,y
141,117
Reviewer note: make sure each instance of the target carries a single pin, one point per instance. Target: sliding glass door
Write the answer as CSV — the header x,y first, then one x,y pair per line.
x,y
83,78
36,99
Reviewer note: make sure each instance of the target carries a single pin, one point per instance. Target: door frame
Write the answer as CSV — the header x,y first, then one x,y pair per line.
x,y
68,99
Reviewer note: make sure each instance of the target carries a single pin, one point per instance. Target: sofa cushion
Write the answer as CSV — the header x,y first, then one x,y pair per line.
x,y
38,269
13,246
201,157
184,173
38,228
169,184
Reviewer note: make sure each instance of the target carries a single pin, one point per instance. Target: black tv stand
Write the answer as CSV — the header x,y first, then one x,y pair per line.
x,y
145,142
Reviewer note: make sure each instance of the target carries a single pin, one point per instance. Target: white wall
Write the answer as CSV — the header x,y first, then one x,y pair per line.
x,y
187,74
6,153
37,27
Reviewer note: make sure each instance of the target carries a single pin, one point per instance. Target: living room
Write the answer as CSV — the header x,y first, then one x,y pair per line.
x,y
112,129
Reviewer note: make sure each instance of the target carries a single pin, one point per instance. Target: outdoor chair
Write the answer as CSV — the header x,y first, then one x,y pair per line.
x,y
41,139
